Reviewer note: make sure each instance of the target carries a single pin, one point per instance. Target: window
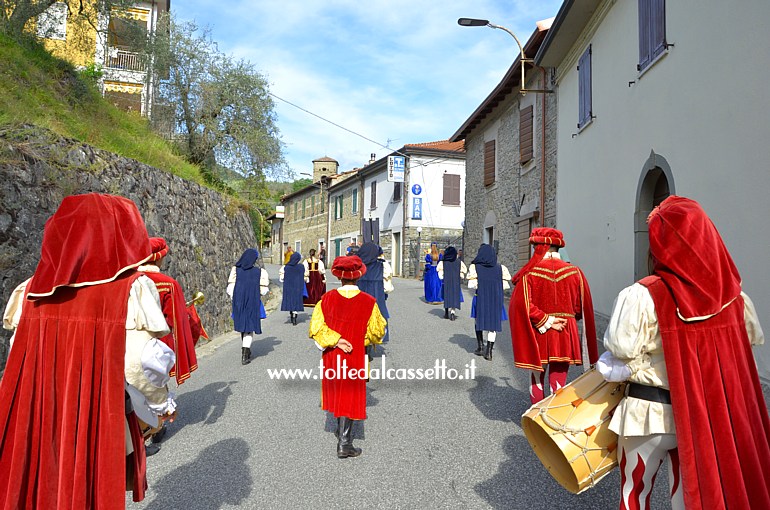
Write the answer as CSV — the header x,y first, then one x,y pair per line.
x,y
298,246
489,163
52,23
652,31
373,198
312,205
585,113
304,207
451,189
338,205
355,201
294,216
525,134
397,191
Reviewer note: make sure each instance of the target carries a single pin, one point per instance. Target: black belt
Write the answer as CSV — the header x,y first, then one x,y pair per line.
x,y
650,393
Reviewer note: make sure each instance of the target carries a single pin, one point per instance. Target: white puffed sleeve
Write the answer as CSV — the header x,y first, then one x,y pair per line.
x,y
753,328
144,312
633,327
231,282
281,272
264,282
506,277
387,277
473,279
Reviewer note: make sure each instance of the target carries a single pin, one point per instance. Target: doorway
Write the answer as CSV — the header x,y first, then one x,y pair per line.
x,y
396,255
656,183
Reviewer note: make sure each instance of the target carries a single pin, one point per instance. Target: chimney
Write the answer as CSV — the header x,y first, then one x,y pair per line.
x,y
372,158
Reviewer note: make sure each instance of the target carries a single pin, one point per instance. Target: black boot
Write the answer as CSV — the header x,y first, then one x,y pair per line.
x,y
337,430
245,355
446,313
294,318
488,354
480,340
345,444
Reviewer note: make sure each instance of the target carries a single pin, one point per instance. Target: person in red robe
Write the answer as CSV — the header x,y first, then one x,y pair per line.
x,y
174,307
315,278
549,297
682,337
343,324
63,403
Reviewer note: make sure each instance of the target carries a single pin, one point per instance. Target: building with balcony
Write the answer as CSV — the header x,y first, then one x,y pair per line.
x,y
103,39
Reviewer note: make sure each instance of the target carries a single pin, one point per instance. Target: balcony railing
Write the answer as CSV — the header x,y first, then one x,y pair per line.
x,y
122,59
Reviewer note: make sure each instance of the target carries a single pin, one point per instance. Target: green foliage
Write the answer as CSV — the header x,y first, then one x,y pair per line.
x,y
37,88
92,73
300,183
222,105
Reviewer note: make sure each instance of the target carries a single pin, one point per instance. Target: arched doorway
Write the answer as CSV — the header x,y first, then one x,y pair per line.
x,y
655,184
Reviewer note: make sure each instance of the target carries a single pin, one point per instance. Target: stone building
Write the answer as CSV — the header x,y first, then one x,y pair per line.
x,y
510,143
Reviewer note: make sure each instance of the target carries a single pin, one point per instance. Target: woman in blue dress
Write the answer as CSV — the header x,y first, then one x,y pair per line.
x,y
432,283
293,277
373,281
246,283
489,279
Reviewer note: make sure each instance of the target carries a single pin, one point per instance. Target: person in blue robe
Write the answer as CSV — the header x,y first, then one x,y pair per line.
x,y
489,279
293,277
373,281
431,281
246,284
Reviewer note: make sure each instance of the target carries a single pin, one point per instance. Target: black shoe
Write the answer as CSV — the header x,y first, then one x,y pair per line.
x,y
488,354
480,339
446,313
159,435
151,449
245,355
345,446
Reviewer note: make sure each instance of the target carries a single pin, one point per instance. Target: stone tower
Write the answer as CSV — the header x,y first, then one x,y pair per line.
x,y
324,166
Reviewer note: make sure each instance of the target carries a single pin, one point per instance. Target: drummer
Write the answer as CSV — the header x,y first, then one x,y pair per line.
x,y
549,297
665,413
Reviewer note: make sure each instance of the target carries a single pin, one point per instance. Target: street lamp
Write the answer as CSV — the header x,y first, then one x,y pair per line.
x,y
473,22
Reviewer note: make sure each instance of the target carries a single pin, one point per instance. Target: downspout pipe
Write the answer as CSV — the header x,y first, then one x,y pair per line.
x,y
542,152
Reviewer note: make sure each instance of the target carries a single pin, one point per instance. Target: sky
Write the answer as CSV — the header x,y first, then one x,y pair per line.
x,y
395,71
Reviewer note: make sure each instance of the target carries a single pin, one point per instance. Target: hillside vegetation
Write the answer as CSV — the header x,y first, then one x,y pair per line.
x,y
37,88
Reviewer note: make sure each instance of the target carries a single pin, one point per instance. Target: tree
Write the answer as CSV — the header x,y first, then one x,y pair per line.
x,y
223,111
15,15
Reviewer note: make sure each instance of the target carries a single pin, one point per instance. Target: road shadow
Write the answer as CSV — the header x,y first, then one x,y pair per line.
x,y
218,477
522,481
263,346
465,342
498,402
205,405
359,427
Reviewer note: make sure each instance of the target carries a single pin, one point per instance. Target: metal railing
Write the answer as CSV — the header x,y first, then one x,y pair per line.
x,y
122,59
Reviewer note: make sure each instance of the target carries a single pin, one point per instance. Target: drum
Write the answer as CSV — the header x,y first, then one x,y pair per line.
x,y
569,431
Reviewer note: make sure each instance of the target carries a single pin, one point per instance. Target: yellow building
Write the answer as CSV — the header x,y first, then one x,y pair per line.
x,y
102,38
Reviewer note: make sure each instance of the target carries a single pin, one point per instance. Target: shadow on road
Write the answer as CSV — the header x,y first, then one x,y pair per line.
x,y
498,402
219,476
359,427
263,346
465,342
205,405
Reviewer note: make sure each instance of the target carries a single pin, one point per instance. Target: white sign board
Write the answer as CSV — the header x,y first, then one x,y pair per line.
x,y
396,165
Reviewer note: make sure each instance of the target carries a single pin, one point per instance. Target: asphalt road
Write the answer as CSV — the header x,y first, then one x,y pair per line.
x,y
243,440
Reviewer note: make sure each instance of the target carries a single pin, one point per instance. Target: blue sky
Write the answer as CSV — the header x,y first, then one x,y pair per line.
x,y
395,71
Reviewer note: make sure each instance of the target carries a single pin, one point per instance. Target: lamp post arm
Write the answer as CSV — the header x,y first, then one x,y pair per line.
x,y
521,51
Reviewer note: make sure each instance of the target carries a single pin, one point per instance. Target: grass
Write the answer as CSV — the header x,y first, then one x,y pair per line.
x,y
37,88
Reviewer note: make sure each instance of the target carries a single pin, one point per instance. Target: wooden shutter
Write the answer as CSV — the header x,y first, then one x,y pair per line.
x,y
584,88
525,134
373,200
397,191
657,27
489,163
354,200
451,189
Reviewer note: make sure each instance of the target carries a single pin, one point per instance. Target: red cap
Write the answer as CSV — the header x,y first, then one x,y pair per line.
x,y
349,267
549,236
159,248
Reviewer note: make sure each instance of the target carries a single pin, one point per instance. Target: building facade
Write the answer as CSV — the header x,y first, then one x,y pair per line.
x,y
510,142
103,39
639,118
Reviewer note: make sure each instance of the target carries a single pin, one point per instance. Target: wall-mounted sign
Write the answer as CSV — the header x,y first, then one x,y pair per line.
x,y
396,166
416,189
417,208
279,211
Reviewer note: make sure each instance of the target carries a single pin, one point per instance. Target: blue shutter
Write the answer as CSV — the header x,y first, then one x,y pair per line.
x,y
657,27
644,34
584,88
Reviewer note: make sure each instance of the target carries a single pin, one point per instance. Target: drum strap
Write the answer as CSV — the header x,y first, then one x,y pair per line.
x,y
651,393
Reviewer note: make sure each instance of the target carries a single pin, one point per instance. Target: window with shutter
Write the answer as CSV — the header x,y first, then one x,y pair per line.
x,y
355,200
585,113
489,163
312,205
304,207
525,134
652,31
373,199
451,189
397,191
294,216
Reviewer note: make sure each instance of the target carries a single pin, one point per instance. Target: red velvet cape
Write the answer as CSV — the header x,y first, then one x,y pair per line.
x,y
316,287
181,338
62,403
349,318
551,287
196,325
722,424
